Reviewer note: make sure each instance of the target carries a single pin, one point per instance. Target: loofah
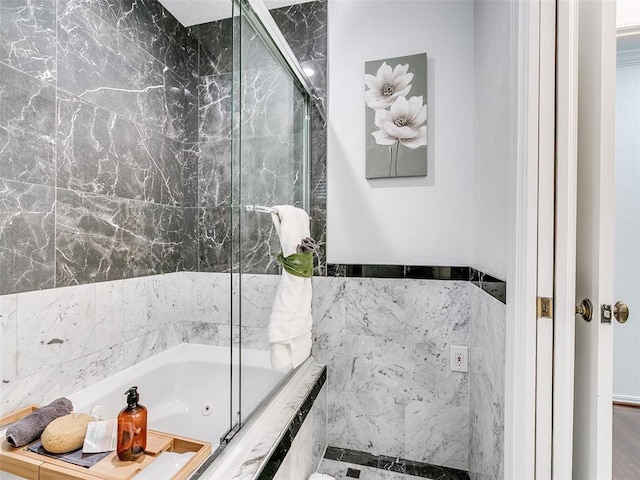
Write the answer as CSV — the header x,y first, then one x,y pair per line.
x,y
66,434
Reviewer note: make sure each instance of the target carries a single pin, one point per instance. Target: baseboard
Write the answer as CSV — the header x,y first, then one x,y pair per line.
x,y
626,400
395,464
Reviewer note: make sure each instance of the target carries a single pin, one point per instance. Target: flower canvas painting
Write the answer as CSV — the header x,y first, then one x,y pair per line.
x,y
396,117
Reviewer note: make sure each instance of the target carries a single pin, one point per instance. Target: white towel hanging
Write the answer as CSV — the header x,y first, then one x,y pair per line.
x,y
290,323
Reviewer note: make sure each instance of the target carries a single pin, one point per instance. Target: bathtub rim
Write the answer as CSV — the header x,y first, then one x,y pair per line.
x,y
266,430
85,398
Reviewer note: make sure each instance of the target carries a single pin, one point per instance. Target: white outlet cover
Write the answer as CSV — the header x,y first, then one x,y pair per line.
x,y
459,359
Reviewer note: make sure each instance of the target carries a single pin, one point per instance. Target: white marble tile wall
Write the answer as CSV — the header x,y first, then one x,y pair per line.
x,y
487,369
60,340
386,344
213,310
307,450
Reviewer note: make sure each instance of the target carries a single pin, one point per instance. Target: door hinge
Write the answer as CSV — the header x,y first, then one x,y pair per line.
x,y
544,307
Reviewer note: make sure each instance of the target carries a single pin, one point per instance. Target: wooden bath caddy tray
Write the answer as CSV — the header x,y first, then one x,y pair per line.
x,y
34,466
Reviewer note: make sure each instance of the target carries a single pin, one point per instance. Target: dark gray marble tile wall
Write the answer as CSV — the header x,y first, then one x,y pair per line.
x,y
94,180
304,26
115,126
271,138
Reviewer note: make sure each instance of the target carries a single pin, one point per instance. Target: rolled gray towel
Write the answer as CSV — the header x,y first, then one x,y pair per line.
x,y
31,427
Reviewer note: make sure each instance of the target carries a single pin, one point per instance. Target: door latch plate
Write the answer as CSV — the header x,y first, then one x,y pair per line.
x,y
544,307
605,313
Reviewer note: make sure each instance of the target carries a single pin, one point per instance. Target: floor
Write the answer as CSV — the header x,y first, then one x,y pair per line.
x,y
626,441
626,460
340,471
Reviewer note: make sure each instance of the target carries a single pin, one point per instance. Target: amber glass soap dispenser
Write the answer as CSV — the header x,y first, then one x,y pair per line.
x,y
132,428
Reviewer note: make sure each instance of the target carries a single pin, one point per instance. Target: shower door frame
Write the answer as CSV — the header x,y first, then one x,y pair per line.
x,y
261,21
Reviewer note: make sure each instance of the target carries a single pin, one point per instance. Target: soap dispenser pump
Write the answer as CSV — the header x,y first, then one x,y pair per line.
x,y
132,428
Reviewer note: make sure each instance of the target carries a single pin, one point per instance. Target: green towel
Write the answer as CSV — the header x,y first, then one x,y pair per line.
x,y
298,264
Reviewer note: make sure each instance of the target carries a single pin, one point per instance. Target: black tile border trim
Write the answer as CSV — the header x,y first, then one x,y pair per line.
x,y
493,286
393,464
398,271
272,465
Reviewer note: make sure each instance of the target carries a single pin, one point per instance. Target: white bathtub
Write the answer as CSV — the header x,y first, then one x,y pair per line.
x,y
186,389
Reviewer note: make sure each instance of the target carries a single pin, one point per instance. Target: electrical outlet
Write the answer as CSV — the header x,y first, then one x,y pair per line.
x,y
459,359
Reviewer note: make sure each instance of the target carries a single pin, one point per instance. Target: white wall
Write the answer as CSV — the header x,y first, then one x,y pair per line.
x,y
492,120
627,13
626,351
419,220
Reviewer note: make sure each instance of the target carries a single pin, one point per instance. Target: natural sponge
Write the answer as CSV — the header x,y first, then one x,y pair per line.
x,y
66,434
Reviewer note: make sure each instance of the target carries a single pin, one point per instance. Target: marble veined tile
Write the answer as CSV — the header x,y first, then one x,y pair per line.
x,y
83,371
27,226
334,351
151,303
137,349
258,293
215,107
27,128
55,326
379,364
216,46
271,170
26,156
304,26
106,154
214,239
488,326
148,25
212,295
214,174
437,434
171,298
100,238
439,311
189,251
309,445
260,244
328,306
375,307
481,421
189,174
279,427
452,387
8,343
374,422
255,338
271,104
110,312
27,37
205,333
39,388
487,370
100,65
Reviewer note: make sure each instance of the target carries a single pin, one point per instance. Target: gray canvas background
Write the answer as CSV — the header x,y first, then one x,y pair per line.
x,y
411,163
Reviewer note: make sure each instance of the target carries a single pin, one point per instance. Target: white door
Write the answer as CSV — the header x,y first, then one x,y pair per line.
x,y
592,439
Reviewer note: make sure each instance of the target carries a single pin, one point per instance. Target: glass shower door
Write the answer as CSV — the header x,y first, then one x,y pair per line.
x,y
269,167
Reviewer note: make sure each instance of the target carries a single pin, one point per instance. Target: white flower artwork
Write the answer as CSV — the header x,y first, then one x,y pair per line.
x,y
387,85
396,129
